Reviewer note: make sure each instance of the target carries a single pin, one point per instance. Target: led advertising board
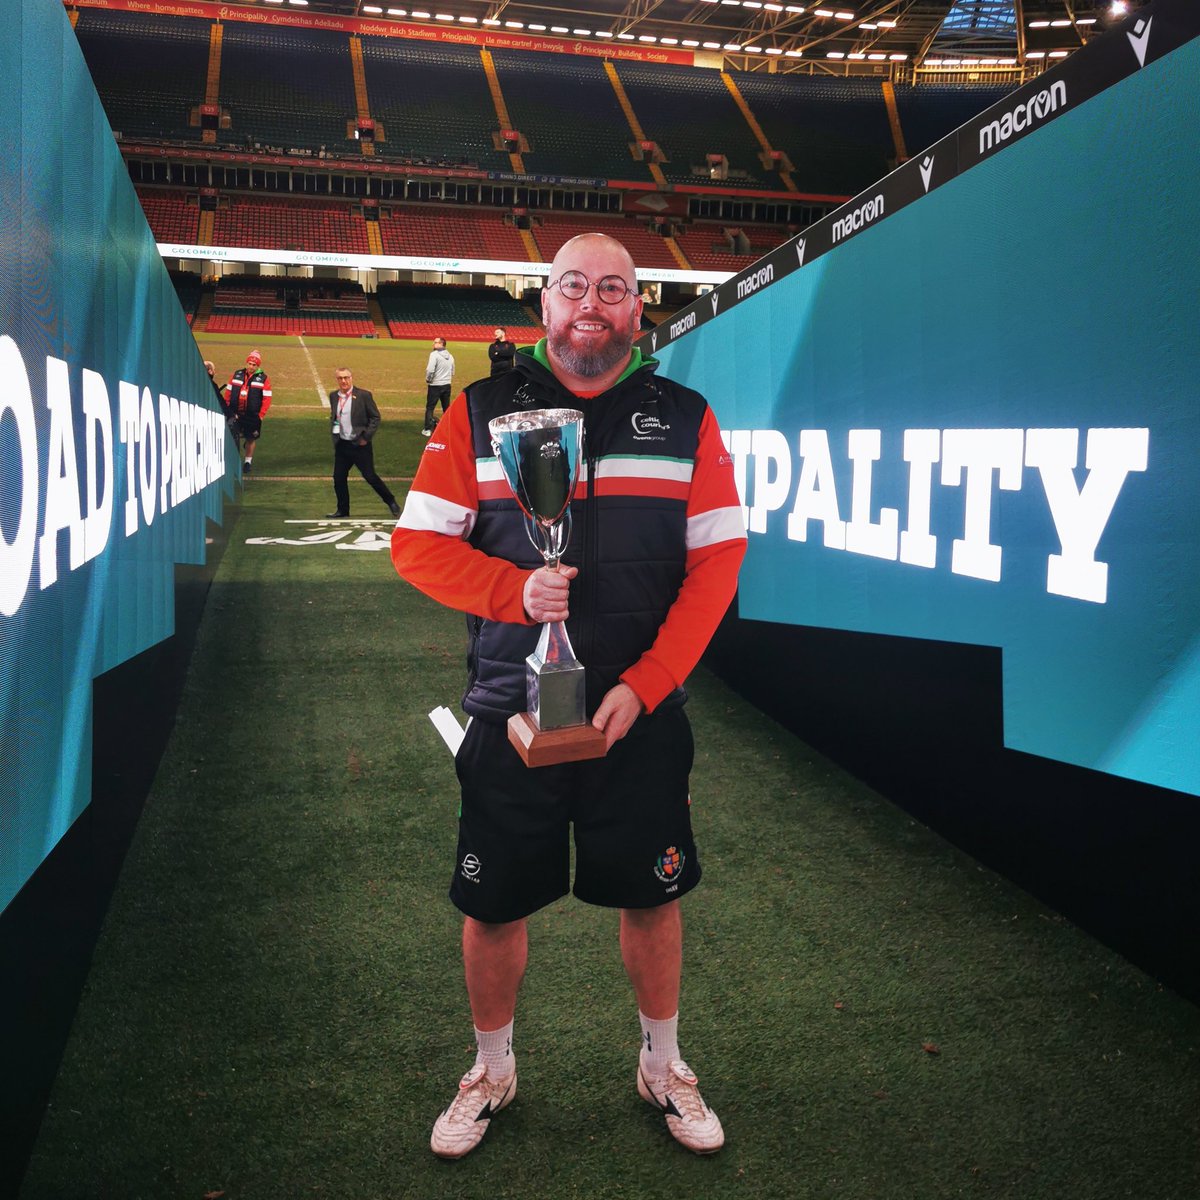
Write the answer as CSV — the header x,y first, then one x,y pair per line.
x,y
966,406
112,447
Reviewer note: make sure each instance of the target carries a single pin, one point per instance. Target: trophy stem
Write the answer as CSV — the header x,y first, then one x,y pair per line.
x,y
554,646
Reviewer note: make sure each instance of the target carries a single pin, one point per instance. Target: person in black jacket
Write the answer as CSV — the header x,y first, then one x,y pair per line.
x,y
647,575
355,420
502,352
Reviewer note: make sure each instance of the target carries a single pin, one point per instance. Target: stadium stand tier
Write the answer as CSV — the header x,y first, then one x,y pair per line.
x,y
281,304
712,245
566,107
835,131
171,213
551,230
439,231
149,70
433,102
690,114
455,312
929,112
287,88
291,89
275,223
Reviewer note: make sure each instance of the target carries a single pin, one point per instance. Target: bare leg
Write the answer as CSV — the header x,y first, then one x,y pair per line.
x,y
652,950
494,957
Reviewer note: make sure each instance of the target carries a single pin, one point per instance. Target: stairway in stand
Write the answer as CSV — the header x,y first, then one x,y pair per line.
x,y
203,311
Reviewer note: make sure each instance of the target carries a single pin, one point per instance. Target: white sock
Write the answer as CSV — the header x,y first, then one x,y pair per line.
x,y
660,1044
495,1050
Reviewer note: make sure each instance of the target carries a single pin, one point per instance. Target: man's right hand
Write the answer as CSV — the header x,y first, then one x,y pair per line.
x,y
546,594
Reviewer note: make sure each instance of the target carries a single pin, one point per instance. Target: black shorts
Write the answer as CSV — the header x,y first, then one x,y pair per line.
x,y
250,426
630,811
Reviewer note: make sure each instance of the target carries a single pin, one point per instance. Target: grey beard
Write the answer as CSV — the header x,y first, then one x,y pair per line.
x,y
587,364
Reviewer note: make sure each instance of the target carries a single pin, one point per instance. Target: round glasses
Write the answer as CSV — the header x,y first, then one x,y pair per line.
x,y
612,289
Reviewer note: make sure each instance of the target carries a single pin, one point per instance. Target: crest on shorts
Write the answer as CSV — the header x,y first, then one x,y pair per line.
x,y
669,865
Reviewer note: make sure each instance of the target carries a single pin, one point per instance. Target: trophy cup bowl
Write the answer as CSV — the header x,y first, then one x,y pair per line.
x,y
539,453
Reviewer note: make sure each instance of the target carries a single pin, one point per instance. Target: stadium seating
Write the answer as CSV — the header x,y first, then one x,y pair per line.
x,y
289,305
287,88
566,107
433,102
929,112
835,131
172,216
295,324
149,70
647,248
440,231
708,246
273,223
457,313
691,114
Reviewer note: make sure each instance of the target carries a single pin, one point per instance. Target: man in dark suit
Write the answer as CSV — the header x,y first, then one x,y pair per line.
x,y
355,420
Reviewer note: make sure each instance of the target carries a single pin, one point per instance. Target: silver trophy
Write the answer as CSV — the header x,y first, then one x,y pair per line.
x,y
539,452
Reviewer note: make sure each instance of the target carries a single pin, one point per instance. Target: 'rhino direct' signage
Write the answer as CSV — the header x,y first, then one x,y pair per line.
x,y
165,450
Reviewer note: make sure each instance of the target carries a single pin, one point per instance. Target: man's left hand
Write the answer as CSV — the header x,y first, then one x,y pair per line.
x,y
617,713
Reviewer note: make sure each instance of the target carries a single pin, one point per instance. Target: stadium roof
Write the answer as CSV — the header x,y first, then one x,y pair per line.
x,y
772,35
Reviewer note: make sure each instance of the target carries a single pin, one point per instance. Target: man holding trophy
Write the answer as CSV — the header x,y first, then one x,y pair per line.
x,y
576,504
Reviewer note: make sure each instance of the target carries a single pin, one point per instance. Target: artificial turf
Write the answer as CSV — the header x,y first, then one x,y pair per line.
x,y
276,1007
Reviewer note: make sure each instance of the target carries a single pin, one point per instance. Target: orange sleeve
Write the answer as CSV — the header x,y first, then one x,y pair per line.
x,y
429,546
716,545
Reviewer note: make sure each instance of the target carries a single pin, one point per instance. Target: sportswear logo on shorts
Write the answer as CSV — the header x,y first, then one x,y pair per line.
x,y
669,865
470,866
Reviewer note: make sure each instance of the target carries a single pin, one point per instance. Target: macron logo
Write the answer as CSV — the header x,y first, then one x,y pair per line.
x,y
653,342
715,301
800,253
1139,40
927,170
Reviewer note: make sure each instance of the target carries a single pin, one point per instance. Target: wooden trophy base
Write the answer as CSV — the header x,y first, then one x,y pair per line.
x,y
545,747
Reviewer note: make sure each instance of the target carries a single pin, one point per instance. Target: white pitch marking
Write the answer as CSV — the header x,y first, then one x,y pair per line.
x,y
312,366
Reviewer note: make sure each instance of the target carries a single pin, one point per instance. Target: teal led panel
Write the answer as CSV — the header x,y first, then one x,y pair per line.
x,y
966,407
112,451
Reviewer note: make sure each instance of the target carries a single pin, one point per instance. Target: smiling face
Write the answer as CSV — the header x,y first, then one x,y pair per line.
x,y
587,339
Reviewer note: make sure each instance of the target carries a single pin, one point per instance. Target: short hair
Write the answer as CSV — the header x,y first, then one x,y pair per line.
x,y
209,365
439,338
339,370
